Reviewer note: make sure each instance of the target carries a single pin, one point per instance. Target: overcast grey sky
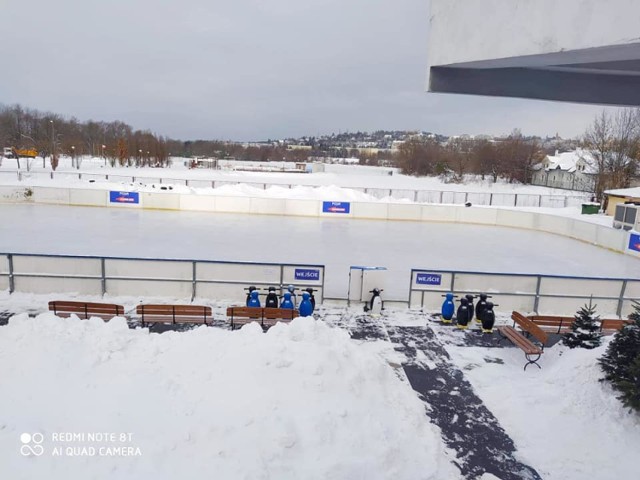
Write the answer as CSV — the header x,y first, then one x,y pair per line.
x,y
246,69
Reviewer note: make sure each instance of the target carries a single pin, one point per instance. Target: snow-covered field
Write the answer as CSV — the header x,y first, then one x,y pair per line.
x,y
344,176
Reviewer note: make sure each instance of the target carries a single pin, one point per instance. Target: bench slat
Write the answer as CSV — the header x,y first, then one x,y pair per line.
x,y
266,316
520,341
85,310
530,327
161,313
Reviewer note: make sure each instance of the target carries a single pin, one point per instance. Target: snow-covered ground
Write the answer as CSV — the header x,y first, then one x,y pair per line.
x,y
303,400
564,420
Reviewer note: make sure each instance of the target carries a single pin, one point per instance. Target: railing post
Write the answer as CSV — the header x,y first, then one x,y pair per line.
x,y
621,299
441,192
536,301
515,200
415,196
193,281
539,201
12,286
491,199
466,197
104,276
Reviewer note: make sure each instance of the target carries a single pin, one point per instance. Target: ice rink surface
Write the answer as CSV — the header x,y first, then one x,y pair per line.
x,y
336,243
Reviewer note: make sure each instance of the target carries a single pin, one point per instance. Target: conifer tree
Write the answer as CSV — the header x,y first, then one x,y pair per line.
x,y
621,362
585,330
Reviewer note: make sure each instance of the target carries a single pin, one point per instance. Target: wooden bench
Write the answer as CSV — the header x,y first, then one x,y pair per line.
x,y
560,324
86,310
174,314
532,352
239,315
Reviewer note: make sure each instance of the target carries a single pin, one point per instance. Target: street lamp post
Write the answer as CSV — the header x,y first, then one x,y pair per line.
x,y
73,157
103,157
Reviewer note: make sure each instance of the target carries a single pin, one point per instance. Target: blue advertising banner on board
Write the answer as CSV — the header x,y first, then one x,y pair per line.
x,y
336,207
124,197
634,242
428,279
307,274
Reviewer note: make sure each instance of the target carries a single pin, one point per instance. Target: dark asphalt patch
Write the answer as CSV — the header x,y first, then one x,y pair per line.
x,y
467,425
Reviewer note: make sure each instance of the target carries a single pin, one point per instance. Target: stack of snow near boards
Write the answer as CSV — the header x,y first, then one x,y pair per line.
x,y
464,315
288,301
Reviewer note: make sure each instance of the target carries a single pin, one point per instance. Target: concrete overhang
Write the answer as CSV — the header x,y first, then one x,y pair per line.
x,y
585,51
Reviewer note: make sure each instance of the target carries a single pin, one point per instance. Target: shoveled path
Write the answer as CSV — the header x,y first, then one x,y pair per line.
x,y
468,427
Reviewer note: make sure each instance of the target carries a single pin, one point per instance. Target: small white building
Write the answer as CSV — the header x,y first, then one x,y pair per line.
x,y
574,170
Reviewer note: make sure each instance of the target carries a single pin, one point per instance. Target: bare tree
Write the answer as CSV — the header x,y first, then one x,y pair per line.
x,y
614,143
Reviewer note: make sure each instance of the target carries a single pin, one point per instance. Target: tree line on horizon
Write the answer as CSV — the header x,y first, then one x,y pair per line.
x,y
613,141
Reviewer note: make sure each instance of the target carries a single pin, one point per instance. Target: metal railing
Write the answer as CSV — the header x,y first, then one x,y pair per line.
x,y
530,292
414,195
42,273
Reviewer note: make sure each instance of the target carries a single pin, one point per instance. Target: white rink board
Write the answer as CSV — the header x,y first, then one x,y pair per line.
x,y
4,264
578,287
241,273
373,210
398,211
199,203
51,195
632,290
303,208
42,285
71,266
93,198
149,288
163,201
124,268
569,306
494,283
267,206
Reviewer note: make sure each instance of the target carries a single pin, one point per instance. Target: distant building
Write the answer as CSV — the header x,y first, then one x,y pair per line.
x,y
574,170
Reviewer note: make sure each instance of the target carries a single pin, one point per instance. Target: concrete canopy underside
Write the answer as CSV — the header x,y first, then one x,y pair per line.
x,y
584,51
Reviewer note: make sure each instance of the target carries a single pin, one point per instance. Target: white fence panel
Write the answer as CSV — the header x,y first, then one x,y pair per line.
x,y
4,264
569,306
633,290
580,287
469,282
41,285
169,270
149,288
248,274
45,265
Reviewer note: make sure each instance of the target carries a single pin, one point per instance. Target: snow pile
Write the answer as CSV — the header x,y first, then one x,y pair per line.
x,y
564,421
302,401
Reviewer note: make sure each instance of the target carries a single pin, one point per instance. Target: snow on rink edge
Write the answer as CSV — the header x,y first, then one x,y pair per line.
x,y
301,401
564,421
